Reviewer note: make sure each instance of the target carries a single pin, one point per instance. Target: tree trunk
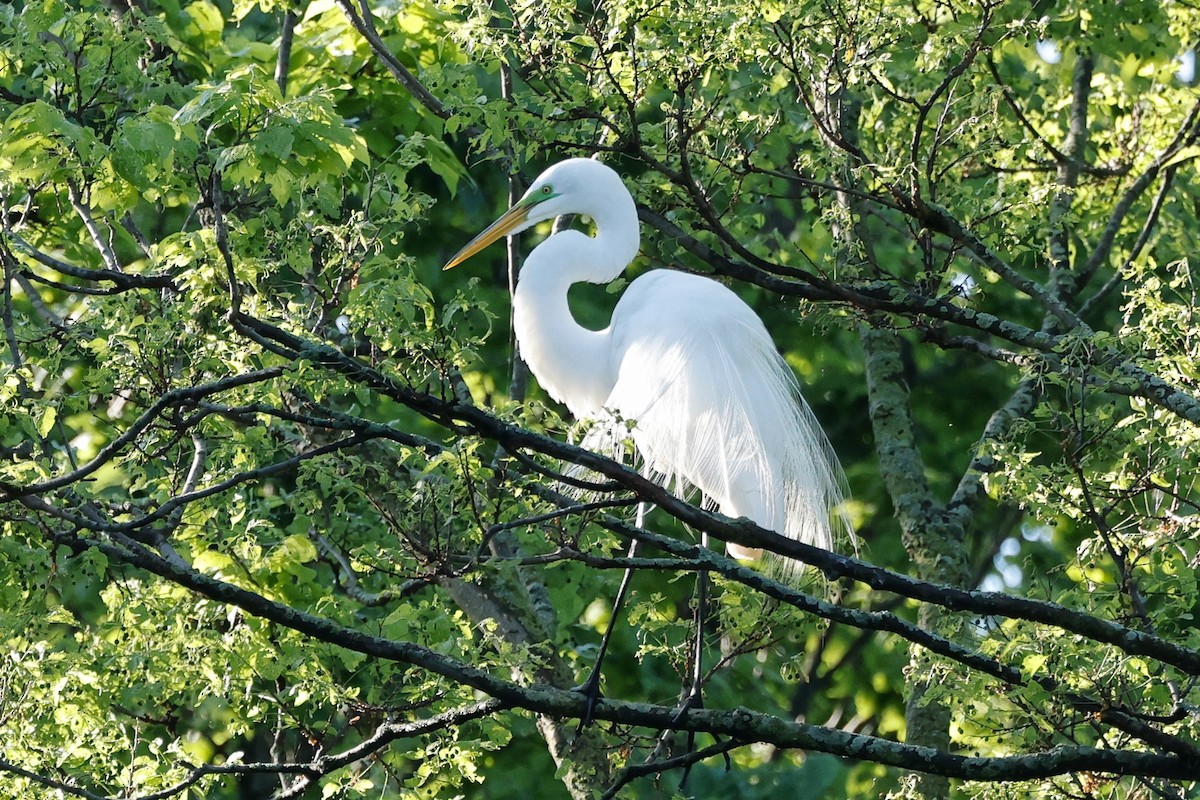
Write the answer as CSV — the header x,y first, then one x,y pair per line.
x,y
933,537
508,601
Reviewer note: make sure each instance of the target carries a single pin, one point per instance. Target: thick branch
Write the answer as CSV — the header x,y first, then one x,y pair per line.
x,y
740,724
472,420
1063,284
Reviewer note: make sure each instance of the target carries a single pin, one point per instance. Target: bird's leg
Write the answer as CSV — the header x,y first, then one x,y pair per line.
x,y
590,688
692,698
691,695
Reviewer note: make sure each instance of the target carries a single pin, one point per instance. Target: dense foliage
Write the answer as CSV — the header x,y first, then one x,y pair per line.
x,y
280,513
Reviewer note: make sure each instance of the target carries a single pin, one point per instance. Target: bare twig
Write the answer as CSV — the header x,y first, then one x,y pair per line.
x,y
121,280
103,243
283,61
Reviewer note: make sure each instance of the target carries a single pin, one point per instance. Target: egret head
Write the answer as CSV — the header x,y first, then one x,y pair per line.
x,y
574,186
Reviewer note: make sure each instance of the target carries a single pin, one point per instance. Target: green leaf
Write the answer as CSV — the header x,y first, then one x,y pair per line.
x,y
1185,154
46,423
293,551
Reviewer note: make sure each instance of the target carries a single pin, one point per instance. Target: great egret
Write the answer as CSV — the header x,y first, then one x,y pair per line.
x,y
685,360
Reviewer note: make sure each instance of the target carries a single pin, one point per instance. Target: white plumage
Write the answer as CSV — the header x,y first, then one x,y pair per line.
x,y
686,367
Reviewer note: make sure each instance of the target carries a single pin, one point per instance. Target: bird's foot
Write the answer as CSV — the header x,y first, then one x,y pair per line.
x,y
693,699
590,689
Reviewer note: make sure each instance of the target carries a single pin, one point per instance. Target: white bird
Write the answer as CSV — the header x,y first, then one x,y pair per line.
x,y
685,361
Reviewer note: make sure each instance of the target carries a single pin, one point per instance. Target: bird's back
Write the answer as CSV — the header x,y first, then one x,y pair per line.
x,y
714,406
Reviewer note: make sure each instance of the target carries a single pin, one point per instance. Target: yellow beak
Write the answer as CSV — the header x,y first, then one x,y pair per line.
x,y
512,219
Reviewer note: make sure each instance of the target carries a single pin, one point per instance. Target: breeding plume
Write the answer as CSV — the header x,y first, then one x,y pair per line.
x,y
685,362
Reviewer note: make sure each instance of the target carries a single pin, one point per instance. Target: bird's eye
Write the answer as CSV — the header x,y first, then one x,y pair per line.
x,y
546,190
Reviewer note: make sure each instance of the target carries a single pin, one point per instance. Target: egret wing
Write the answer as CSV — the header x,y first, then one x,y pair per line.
x,y
712,405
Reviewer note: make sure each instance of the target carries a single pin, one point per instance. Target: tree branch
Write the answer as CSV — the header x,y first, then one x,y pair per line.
x,y
739,724
472,420
171,399
122,280
363,21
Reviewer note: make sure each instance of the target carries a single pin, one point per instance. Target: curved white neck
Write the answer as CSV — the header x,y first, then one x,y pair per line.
x,y
572,363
